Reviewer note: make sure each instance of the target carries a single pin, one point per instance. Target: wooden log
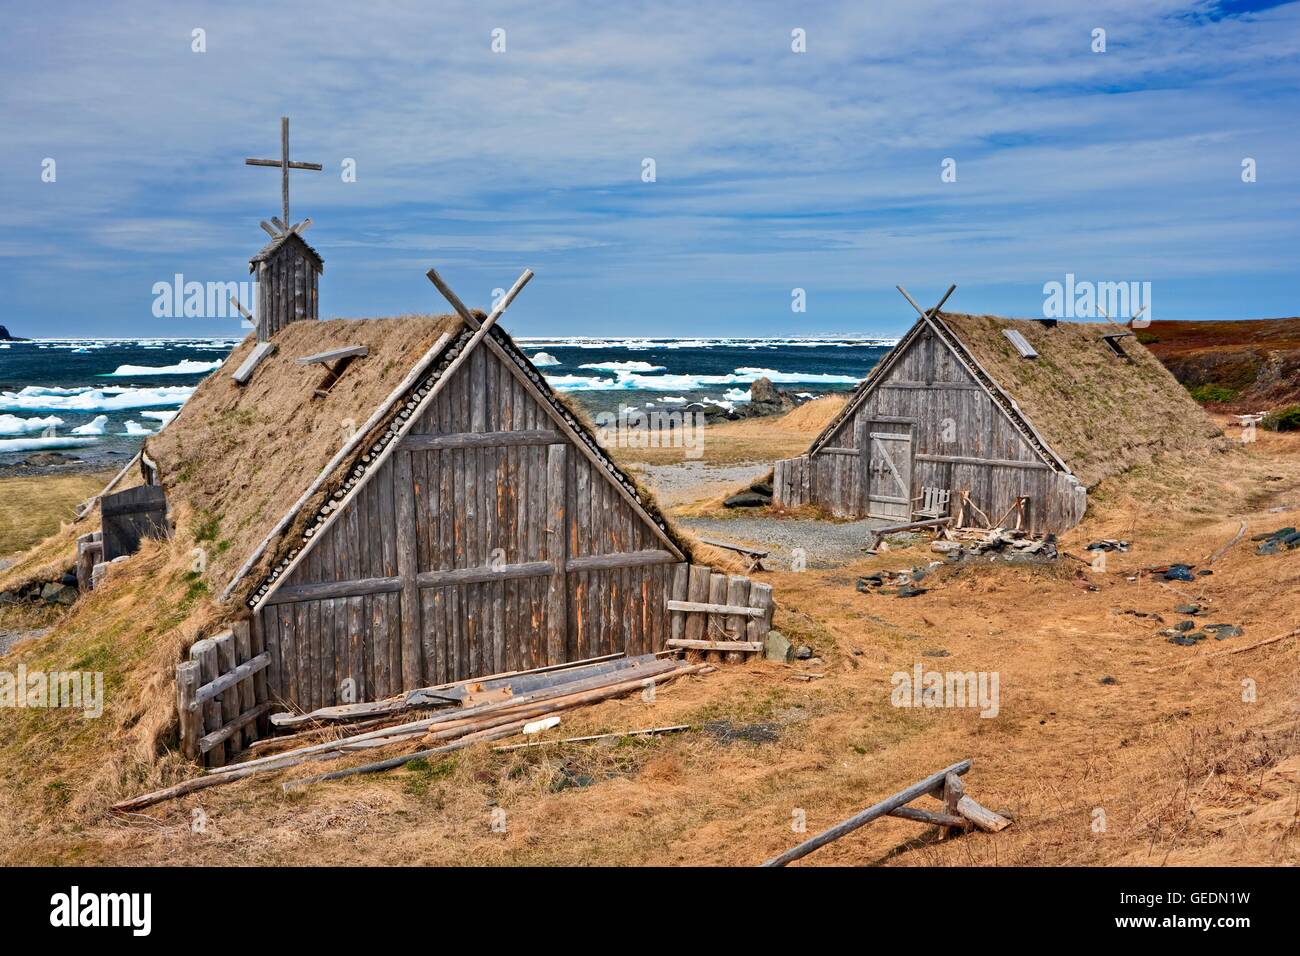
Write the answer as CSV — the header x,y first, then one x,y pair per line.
x,y
619,735
677,592
953,791
947,821
204,652
231,729
715,622
557,597
230,703
499,439
722,608
408,570
873,812
698,590
760,596
223,682
346,351
619,560
187,706
727,646
247,695
985,819
735,625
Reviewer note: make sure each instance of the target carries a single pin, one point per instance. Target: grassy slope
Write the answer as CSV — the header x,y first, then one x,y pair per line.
x,y
1255,363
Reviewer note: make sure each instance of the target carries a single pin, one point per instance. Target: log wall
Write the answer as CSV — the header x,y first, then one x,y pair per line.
x,y
961,440
287,290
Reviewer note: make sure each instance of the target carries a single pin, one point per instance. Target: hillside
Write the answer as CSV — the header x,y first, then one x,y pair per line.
x,y
1242,366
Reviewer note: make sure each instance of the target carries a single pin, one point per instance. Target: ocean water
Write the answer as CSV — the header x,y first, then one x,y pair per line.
x,y
97,398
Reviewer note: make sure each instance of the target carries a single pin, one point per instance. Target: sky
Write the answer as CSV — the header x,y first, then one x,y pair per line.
x,y
774,170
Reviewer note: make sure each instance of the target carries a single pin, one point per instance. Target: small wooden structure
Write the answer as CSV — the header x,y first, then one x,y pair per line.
x,y
129,516
997,422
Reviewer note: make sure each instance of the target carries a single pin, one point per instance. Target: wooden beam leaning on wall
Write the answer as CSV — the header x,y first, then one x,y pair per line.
x,y
960,811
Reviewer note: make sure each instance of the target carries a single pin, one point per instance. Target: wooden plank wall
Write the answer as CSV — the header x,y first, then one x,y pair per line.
x,y
288,290
962,440
485,543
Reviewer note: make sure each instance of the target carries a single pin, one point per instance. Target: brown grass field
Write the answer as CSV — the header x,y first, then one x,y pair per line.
x,y
32,508
1100,718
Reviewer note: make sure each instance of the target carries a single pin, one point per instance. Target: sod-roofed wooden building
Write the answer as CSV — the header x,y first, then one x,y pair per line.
x,y
427,512
1017,415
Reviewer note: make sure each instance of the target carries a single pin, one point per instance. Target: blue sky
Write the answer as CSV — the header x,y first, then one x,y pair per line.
x,y
775,169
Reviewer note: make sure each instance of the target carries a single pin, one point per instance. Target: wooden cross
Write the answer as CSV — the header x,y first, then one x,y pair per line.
x,y
285,165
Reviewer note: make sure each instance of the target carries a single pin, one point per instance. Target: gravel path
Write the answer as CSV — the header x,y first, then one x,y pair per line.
x,y
10,639
826,544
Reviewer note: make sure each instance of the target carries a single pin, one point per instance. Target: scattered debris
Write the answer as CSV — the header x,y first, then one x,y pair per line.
x,y
1274,541
1224,631
649,731
803,653
1192,609
940,652
1107,544
1108,680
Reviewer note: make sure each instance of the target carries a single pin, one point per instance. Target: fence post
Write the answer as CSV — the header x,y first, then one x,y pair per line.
x,y
187,688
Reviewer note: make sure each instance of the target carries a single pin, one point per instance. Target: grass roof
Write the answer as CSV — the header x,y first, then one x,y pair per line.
x,y
1100,412
241,456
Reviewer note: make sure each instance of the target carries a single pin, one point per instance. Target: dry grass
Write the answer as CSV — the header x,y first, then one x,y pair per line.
x,y
240,457
32,509
1184,770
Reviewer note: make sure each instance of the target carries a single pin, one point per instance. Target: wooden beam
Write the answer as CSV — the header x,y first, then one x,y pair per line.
x,y
717,608
675,728
261,352
995,462
873,812
215,688
982,817
326,590
347,351
729,646
482,440
217,737
619,560
753,552
945,820
557,593
483,574
408,570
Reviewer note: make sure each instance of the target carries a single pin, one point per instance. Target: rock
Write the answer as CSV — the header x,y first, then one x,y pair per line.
x,y
945,547
762,488
45,458
98,573
1268,547
1179,572
776,647
1192,609
747,499
803,653
1184,626
6,563
8,597
1224,631
56,593
1108,680
907,591
68,580
6,337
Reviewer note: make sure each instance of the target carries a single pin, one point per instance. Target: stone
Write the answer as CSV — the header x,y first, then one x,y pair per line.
x,y
98,573
907,591
1184,625
54,593
1109,680
747,499
1224,631
762,488
68,580
1179,572
8,597
945,547
1192,609
777,647
1268,547
803,653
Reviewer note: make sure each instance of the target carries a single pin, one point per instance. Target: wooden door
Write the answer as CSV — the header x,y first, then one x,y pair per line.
x,y
889,475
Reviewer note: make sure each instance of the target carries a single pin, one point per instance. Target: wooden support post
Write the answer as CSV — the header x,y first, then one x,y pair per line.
x,y
677,619
715,624
953,791
230,698
760,595
736,624
247,695
407,569
557,598
187,687
261,680
205,654
697,589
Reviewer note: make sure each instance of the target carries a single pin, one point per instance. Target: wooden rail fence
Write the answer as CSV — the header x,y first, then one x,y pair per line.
x,y
222,695
724,617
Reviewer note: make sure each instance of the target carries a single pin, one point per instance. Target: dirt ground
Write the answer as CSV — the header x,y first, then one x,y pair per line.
x,y
1109,746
